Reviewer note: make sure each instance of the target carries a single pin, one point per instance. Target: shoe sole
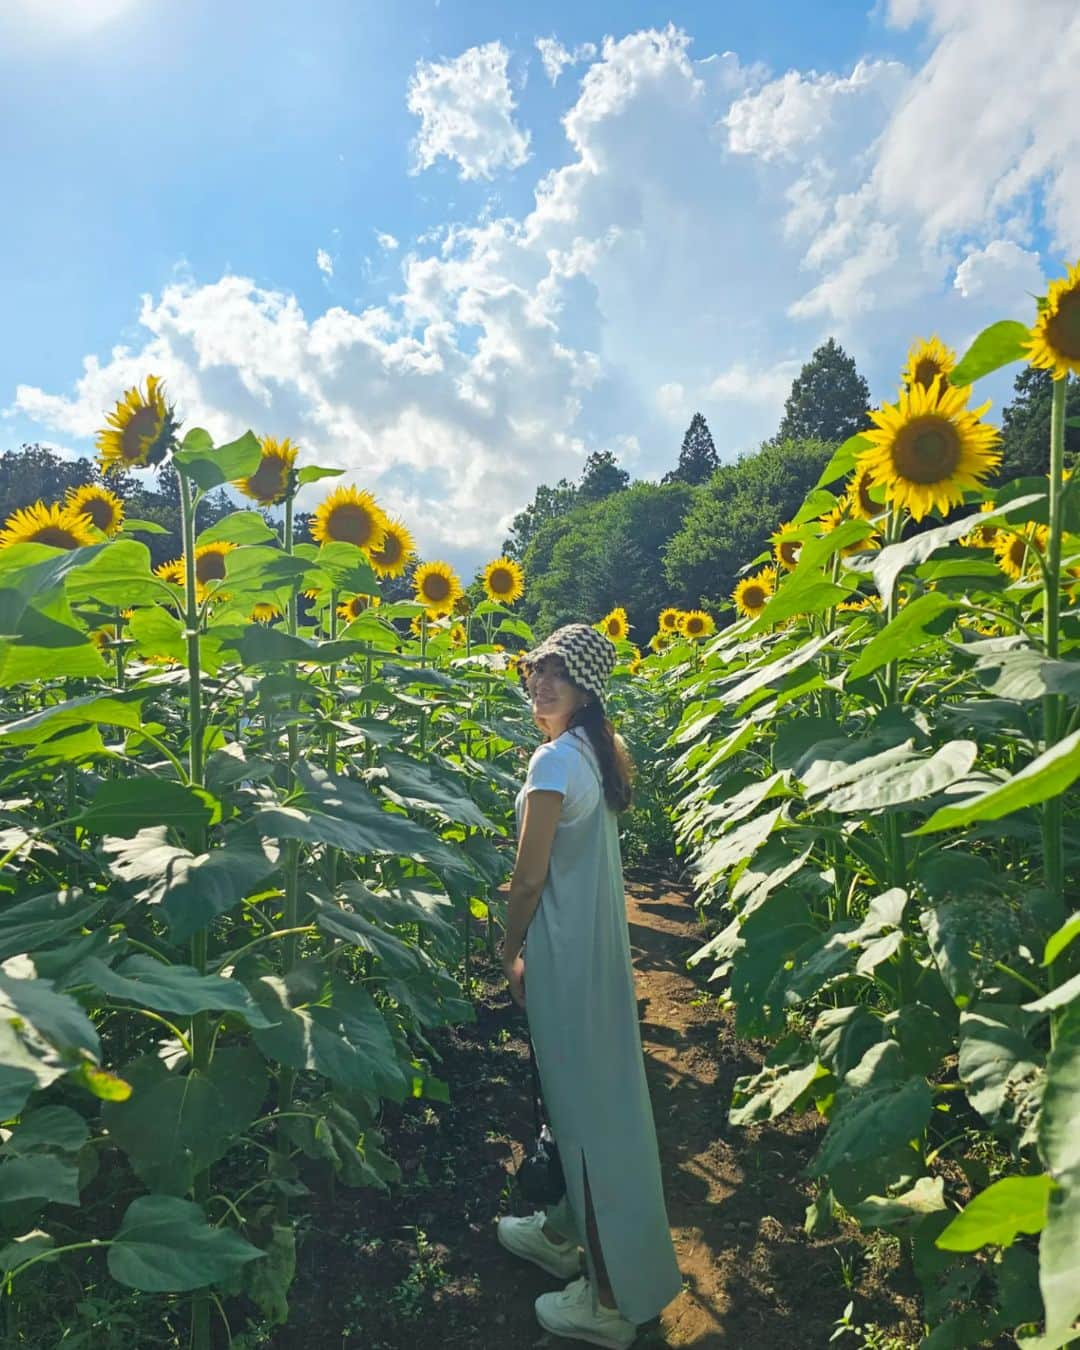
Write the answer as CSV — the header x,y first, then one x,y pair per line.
x,y
560,1272
579,1335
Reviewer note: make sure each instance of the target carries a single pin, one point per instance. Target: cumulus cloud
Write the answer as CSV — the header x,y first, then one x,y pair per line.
x,y
556,57
1003,273
385,241
466,112
324,263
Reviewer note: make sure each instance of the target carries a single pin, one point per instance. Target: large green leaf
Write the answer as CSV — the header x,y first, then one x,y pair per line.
x,y
1027,673
1010,1206
39,1178
178,989
176,1124
1059,1146
909,781
1059,940
774,672
832,764
43,919
425,784
907,633
117,710
877,1110
124,806
55,1016
211,466
789,1070
843,459
241,527
399,958
192,889
1046,776
996,346
998,1065
901,1211
165,1245
48,1127
119,575
23,1069
24,664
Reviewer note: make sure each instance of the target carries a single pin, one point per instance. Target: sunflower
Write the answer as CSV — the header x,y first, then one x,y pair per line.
x,y
140,431
458,636
103,638
696,623
56,525
415,624
354,607
265,613
927,448
391,557
437,586
856,606
659,641
1012,550
635,665
786,546
171,571
927,360
982,536
349,516
752,594
1055,339
669,620
858,496
504,581
105,509
210,562
845,509
615,624
270,481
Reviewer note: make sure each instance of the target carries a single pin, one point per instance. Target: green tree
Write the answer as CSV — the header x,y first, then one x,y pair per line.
x,y
600,477
698,459
35,473
828,400
1025,425
547,504
733,515
604,554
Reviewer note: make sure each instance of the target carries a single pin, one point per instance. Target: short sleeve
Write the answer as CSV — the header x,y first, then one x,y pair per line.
x,y
549,770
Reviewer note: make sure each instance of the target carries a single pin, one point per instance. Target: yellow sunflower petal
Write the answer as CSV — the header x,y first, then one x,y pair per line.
x,y
1054,344
56,525
104,509
504,581
391,557
349,515
752,594
615,624
437,586
669,619
696,623
140,431
270,481
927,360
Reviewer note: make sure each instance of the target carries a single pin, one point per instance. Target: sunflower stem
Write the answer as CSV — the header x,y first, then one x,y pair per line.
x,y
1054,704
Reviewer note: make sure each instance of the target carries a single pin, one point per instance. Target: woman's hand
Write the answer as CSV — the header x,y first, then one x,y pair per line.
x,y
515,975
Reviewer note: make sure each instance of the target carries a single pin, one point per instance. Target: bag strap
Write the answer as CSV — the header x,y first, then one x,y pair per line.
x,y
587,758
536,1088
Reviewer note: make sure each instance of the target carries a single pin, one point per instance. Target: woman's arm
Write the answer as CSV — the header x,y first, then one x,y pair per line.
x,y
542,809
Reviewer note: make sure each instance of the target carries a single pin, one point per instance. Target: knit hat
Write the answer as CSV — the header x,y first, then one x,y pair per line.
x,y
589,656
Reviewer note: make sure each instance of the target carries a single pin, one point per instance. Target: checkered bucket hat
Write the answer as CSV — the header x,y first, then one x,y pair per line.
x,y
589,656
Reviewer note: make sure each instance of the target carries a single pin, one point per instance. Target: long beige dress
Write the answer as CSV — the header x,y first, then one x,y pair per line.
x,y
582,1014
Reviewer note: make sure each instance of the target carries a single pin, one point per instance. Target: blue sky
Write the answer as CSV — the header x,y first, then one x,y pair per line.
x,y
710,220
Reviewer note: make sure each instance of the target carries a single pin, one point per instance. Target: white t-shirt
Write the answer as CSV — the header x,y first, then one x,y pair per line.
x,y
566,765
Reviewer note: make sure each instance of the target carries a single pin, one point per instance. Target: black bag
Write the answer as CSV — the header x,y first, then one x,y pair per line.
x,y
540,1175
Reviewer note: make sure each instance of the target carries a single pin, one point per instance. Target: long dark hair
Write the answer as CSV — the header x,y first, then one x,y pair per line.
x,y
616,766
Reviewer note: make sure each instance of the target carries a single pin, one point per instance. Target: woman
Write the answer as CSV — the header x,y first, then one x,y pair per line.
x,y
567,891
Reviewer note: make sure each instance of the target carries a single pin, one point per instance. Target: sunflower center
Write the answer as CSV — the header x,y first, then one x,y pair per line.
x,y
669,621
693,626
754,597
927,450
436,587
501,580
53,535
143,425
390,553
210,567
350,524
926,370
99,510
789,551
269,479
1063,330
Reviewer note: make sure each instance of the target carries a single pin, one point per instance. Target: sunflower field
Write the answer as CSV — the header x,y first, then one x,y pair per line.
x,y
256,815
874,782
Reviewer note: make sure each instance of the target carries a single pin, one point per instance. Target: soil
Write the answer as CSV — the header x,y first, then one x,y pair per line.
x,y
421,1267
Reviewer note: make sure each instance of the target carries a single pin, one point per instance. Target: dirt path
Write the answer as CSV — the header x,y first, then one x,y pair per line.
x,y
421,1268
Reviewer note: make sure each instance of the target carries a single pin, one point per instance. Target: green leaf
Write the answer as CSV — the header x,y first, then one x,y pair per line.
x,y
1059,1147
25,1248
879,1211
43,919
174,1125
24,664
998,1065
133,526
1058,941
311,473
906,634
843,459
55,1016
210,467
425,784
193,890
997,1215
177,989
876,1111
156,632
119,575
48,1127
909,781
241,527
768,1094
165,1245
996,346
125,806
1057,997
1046,776
348,568
39,1178
1025,673
121,710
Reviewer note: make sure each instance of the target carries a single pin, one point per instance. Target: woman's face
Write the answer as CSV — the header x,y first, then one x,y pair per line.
x,y
554,698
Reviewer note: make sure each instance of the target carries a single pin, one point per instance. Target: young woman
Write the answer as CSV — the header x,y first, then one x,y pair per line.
x,y
567,891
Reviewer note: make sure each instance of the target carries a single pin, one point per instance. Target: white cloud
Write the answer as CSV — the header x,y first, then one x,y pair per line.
x,y
324,262
556,57
755,384
1003,273
386,241
466,112
671,398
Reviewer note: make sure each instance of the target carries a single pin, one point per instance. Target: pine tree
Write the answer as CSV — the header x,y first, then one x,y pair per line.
x,y
1025,425
698,460
601,477
828,400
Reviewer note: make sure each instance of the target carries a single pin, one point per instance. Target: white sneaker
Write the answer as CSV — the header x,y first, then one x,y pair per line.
x,y
570,1314
525,1237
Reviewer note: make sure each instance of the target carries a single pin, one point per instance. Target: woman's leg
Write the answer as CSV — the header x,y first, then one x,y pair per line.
x,y
603,1284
